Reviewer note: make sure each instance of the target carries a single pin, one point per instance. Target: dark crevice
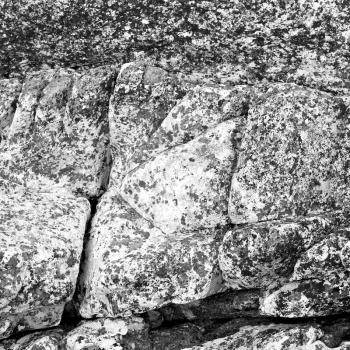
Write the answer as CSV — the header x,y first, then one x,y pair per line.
x,y
71,317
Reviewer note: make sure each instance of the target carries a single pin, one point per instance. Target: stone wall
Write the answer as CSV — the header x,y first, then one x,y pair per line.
x,y
194,197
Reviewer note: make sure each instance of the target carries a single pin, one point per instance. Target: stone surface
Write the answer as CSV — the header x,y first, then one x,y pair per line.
x,y
320,281
109,334
142,98
259,255
41,239
236,41
177,337
59,133
48,340
9,92
293,158
226,305
187,187
133,266
272,337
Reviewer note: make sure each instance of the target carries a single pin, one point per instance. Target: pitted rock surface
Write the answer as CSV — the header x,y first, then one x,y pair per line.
x,y
41,240
293,158
227,204
59,133
132,265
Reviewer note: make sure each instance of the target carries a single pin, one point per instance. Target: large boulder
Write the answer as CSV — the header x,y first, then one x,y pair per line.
x,y
293,158
261,254
319,284
186,187
41,240
133,266
59,133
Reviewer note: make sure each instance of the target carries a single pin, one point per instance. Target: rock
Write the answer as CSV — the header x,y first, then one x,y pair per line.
x,y
293,156
226,41
202,108
259,255
41,239
175,338
133,266
59,133
226,305
142,98
185,188
48,340
109,334
272,337
9,92
319,285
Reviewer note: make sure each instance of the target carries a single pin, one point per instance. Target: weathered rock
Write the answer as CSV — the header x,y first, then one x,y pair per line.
x,y
41,239
235,41
59,133
177,337
293,158
142,98
320,281
186,188
109,334
9,92
133,266
258,255
48,340
272,337
230,304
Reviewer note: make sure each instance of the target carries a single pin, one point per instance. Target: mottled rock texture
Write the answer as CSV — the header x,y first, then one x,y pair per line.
x,y
272,337
41,240
59,133
237,41
216,164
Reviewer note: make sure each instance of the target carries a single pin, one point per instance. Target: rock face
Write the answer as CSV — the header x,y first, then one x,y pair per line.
x,y
59,133
190,198
41,240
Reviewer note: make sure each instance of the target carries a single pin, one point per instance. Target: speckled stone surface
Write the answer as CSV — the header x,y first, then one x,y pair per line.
x,y
109,334
47,340
59,133
293,159
261,254
319,283
238,41
41,240
272,337
133,266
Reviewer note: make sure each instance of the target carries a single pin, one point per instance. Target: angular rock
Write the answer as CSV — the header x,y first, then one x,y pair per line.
x,y
320,283
9,92
109,334
293,157
186,188
59,133
48,340
41,239
272,337
202,108
133,266
258,255
142,98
